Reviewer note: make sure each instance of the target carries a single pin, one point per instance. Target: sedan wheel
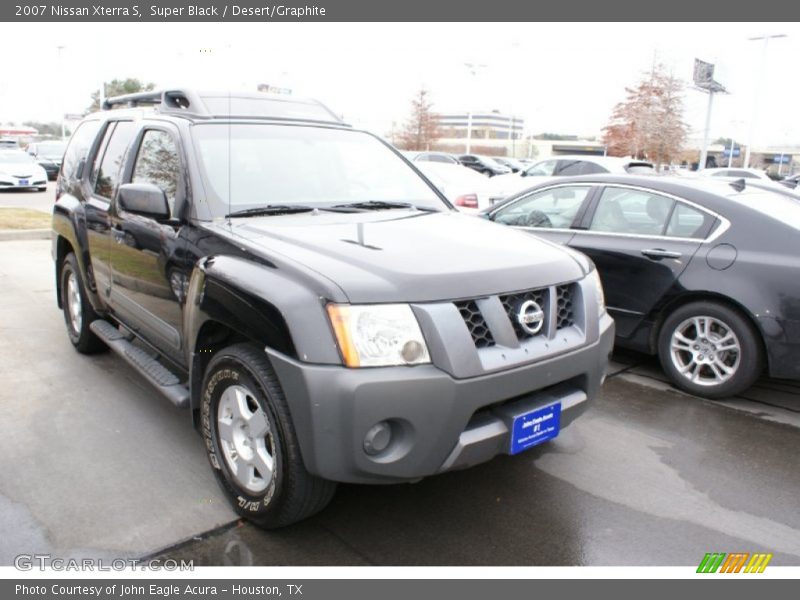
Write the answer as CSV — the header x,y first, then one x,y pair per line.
x,y
710,349
705,350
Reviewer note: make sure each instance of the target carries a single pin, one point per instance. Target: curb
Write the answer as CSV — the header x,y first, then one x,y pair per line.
x,y
24,234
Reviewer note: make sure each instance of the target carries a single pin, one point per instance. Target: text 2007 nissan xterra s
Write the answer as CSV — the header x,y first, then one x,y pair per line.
x,y
319,307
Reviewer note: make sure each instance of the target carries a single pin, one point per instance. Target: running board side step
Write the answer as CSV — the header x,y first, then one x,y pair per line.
x,y
153,371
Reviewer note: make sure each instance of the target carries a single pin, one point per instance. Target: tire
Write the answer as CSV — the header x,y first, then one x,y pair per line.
x,y
240,392
711,350
78,312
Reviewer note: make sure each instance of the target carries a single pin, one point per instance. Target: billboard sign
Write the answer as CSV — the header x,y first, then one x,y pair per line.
x,y
703,77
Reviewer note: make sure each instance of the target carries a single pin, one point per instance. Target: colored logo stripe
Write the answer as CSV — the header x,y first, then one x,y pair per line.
x,y
758,563
733,563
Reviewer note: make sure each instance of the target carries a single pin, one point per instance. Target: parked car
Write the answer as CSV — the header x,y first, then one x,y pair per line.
x,y
790,182
701,272
512,163
483,165
735,173
9,144
564,166
335,323
465,188
19,170
436,157
48,155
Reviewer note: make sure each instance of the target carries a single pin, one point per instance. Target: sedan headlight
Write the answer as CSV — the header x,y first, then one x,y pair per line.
x,y
377,335
598,286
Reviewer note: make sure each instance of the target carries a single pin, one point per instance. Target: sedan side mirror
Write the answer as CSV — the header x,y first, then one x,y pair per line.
x,y
143,199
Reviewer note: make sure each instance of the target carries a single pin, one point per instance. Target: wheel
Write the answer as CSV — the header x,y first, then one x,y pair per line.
x,y
78,313
710,350
251,442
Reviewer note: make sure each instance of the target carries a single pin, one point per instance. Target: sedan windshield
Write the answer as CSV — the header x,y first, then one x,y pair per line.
x,y
252,165
52,149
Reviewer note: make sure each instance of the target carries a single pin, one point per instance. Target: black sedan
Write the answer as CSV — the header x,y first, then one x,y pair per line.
x,y
702,273
483,165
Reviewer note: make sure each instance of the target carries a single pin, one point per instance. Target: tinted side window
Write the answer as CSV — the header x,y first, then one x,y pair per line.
x,y
157,162
688,222
542,169
78,147
554,208
110,171
622,210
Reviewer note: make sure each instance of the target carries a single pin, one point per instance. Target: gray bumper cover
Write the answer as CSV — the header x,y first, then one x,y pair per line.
x,y
439,423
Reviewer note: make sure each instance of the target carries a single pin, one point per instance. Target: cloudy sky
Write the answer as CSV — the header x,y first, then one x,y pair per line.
x,y
562,78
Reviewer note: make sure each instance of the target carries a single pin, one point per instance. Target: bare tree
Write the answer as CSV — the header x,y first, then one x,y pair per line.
x,y
421,129
649,123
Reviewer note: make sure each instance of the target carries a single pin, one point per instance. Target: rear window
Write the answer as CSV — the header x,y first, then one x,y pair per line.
x,y
78,147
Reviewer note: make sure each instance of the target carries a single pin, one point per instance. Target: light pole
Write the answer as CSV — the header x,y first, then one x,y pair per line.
x,y
757,91
473,70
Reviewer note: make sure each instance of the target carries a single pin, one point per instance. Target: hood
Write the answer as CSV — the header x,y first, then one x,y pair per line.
x,y
21,168
407,256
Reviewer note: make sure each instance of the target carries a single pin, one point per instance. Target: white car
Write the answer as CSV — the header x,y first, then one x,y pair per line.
x,y
465,188
19,170
502,186
734,173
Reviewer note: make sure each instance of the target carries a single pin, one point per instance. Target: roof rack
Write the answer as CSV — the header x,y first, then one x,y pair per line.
x,y
164,99
241,105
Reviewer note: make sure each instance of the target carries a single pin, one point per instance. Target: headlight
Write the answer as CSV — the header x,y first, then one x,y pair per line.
x,y
378,335
598,286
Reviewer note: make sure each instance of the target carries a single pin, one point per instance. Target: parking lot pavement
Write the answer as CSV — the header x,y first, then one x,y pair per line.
x,y
94,463
42,201
645,477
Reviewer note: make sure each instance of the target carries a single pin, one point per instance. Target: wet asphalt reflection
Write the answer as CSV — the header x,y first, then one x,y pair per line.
x,y
645,477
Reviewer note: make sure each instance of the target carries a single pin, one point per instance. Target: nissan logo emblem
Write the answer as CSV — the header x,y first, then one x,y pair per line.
x,y
530,317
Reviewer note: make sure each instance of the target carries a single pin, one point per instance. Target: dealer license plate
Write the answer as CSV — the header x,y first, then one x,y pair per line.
x,y
535,427
23,182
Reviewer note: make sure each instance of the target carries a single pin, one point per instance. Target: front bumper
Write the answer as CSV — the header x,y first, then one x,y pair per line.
x,y
439,423
8,182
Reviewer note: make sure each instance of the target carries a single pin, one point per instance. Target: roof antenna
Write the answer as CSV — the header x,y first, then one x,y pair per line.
x,y
739,184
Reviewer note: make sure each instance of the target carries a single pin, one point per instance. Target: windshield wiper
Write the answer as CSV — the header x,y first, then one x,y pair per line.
x,y
381,205
270,209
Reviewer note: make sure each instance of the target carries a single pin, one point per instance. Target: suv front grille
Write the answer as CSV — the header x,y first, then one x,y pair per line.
x,y
565,315
476,324
562,295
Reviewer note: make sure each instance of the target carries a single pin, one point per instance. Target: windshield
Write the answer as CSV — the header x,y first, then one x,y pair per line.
x,y
15,157
316,166
51,149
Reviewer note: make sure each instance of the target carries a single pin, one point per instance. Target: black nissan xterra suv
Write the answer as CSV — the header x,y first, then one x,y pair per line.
x,y
319,307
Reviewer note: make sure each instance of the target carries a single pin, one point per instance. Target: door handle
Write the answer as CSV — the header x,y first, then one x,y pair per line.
x,y
659,253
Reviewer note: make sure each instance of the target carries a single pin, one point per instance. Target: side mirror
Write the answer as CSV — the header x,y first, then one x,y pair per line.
x,y
143,199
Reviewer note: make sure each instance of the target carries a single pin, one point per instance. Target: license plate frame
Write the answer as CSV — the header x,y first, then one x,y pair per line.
x,y
535,427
